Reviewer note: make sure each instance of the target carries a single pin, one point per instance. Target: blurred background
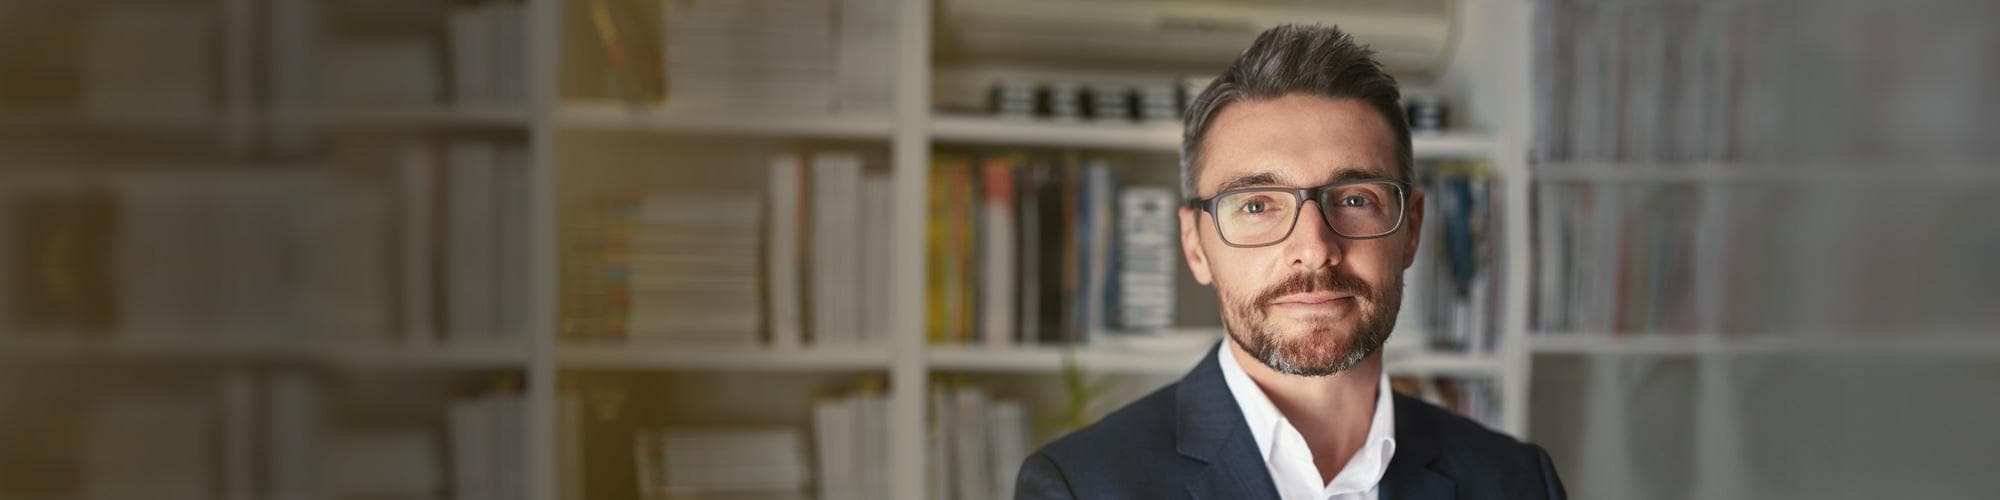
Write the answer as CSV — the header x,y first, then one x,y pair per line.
x,y
883,249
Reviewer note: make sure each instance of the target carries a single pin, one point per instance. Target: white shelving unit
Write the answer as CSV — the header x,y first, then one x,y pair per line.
x,y
1489,71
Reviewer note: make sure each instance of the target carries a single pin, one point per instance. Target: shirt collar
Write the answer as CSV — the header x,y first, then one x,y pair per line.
x,y
1368,464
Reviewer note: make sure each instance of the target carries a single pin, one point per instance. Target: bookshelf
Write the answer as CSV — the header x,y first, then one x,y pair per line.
x,y
582,143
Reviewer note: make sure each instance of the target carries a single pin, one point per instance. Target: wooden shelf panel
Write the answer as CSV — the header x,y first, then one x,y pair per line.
x,y
1692,344
615,116
468,355
713,358
1151,136
1102,360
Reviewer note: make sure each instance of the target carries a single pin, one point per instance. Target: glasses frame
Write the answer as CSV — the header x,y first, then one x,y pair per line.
x,y
1403,191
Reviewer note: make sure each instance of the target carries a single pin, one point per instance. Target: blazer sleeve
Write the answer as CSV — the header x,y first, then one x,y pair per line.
x,y
1551,483
1040,479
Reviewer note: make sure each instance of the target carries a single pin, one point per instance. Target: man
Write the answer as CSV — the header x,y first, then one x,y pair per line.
x,y
1296,166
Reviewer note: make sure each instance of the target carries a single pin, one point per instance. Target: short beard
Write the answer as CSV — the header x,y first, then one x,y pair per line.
x,y
1307,353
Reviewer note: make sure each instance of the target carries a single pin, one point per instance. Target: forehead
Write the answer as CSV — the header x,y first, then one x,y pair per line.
x,y
1298,140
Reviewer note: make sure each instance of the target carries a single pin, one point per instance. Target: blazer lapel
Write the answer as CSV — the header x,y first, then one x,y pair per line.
x,y
1412,474
1209,428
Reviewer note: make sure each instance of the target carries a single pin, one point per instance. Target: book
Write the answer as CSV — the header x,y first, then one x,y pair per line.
x,y
473,451
836,445
997,244
836,248
970,464
947,281
877,255
1148,252
1008,431
471,222
471,33
867,46
785,238
295,411
1094,242
513,244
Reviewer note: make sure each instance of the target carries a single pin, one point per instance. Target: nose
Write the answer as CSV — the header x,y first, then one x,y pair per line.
x,y
1313,244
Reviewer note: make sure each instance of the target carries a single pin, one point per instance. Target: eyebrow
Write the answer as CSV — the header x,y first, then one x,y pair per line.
x,y
1267,178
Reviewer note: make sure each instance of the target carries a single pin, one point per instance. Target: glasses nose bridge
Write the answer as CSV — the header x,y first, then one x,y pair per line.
x,y
1312,196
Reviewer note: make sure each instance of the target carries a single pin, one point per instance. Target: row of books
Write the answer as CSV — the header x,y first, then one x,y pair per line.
x,y
1024,249
695,462
1450,293
807,263
145,59
1694,258
267,433
464,234
480,453
482,63
1673,81
976,443
851,440
487,430
280,255
254,255
821,55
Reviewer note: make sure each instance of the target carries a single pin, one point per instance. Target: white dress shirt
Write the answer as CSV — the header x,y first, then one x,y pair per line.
x,y
1285,452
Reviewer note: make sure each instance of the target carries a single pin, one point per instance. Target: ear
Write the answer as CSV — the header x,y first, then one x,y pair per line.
x,y
1413,226
1197,260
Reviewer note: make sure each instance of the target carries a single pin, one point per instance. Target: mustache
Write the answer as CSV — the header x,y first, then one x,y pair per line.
x,y
1325,281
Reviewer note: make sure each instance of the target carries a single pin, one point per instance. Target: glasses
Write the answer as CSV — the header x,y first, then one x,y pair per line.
x,y
1356,210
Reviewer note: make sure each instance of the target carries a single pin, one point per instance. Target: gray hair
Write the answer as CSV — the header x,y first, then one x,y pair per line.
x,y
1293,59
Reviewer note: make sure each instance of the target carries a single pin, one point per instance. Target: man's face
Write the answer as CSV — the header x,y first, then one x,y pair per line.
x,y
1315,303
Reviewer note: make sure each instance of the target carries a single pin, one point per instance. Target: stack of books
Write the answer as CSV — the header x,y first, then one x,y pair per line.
x,y
690,268
751,53
702,463
977,444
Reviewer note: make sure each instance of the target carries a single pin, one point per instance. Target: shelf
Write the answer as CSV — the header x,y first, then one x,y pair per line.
x,y
1156,136
137,122
497,117
718,358
613,116
337,353
1663,344
1104,360
1714,173
1049,359
1152,136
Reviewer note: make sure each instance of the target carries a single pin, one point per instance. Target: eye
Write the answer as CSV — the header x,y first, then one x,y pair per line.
x,y
1256,206
1355,201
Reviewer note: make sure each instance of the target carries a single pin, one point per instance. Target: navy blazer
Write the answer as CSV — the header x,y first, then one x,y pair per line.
x,y
1189,440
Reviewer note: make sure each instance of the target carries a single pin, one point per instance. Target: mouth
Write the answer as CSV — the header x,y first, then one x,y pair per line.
x,y
1313,300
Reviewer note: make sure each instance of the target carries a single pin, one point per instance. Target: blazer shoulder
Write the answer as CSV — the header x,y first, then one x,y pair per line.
x,y
1472,452
1452,431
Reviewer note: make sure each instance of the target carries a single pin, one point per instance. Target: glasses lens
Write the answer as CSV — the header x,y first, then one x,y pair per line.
x,y
1363,210
1255,217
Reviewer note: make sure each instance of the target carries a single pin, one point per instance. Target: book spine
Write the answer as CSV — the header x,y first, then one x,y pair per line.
x,y
783,279
836,247
997,244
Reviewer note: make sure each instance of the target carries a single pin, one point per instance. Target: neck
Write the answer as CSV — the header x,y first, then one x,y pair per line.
x,y
1333,412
